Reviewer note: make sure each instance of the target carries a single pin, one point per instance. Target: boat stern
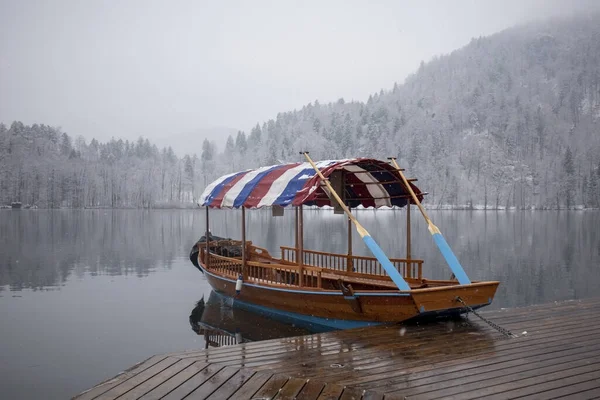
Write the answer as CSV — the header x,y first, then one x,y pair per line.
x,y
445,299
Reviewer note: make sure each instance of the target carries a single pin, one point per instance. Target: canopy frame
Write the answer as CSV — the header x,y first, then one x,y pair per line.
x,y
365,182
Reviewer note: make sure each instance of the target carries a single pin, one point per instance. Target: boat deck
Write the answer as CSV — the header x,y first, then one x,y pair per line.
x,y
556,354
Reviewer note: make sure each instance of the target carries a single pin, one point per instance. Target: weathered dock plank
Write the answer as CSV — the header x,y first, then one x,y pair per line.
x,y
210,386
109,384
145,387
227,389
271,387
330,392
194,382
251,386
556,354
292,388
138,379
311,390
166,386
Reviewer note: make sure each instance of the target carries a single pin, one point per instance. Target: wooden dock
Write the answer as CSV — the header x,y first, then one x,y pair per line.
x,y
556,354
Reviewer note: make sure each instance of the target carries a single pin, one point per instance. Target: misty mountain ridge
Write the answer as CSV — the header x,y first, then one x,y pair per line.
x,y
509,120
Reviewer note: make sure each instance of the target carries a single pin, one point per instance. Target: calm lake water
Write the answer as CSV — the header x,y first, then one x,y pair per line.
x,y
86,294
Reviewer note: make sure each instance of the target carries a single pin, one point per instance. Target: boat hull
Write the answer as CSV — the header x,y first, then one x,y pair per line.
x,y
335,310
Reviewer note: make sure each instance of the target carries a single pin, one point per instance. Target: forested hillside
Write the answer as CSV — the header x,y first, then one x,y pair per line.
x,y
42,166
510,120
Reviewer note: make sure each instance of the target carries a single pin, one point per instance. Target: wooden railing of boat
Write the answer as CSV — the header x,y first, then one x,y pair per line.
x,y
262,268
266,273
351,263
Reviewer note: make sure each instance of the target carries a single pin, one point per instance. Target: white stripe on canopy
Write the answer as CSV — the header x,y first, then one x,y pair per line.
x,y
208,191
235,190
376,191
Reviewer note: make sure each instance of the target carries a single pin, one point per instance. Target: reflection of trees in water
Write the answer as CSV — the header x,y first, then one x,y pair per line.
x,y
43,247
537,256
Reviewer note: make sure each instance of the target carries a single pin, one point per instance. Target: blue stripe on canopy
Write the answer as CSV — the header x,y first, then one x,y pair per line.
x,y
217,189
295,184
249,187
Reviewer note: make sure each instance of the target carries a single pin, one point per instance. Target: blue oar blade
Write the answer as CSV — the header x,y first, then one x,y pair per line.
x,y
451,259
387,265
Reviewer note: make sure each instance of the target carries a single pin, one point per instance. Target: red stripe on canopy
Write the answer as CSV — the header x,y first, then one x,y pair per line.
x,y
262,188
219,198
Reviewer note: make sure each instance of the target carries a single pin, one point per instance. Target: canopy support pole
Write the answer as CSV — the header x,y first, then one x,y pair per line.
x,y
349,263
207,260
296,239
408,234
244,266
300,243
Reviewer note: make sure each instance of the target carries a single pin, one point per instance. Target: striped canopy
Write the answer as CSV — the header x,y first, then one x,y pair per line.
x,y
366,182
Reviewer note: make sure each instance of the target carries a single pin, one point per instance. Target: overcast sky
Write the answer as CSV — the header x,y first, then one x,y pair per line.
x,y
126,68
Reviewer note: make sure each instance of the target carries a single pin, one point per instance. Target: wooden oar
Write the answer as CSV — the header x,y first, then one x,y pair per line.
x,y
451,259
369,242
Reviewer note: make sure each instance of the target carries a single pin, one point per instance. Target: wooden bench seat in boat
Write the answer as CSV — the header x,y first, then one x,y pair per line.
x,y
368,281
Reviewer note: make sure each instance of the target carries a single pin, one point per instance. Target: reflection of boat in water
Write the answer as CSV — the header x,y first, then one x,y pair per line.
x,y
333,290
222,324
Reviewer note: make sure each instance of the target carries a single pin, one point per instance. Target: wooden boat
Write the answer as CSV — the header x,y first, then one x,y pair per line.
x,y
325,289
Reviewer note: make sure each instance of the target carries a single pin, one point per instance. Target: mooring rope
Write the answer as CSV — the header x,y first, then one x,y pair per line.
x,y
497,327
